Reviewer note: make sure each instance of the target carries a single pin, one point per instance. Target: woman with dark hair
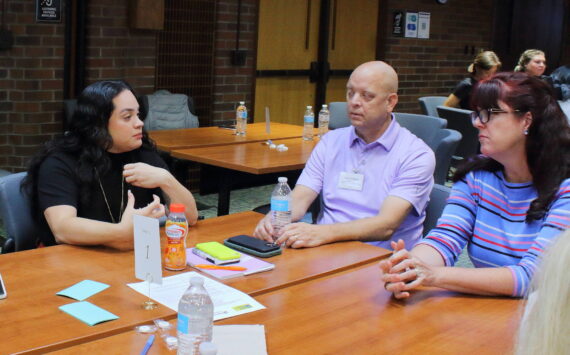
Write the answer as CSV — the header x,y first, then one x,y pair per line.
x,y
87,184
507,205
484,65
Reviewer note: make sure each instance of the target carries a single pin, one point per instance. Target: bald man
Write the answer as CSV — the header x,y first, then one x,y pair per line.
x,y
375,176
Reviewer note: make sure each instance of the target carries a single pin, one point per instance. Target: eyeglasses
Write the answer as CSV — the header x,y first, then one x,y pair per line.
x,y
484,115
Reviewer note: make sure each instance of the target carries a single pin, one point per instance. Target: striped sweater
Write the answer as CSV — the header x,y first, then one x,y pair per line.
x,y
487,213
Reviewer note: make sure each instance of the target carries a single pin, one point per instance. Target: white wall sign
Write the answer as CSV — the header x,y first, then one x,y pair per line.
x,y
411,25
423,24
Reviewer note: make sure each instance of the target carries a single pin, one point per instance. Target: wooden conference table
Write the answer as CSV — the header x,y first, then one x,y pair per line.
x,y
32,321
351,313
252,158
170,139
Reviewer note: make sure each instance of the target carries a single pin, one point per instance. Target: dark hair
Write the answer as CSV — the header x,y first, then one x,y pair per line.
x,y
87,139
561,82
548,139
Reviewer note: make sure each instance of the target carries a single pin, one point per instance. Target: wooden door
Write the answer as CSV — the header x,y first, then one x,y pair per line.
x,y
306,51
352,41
287,44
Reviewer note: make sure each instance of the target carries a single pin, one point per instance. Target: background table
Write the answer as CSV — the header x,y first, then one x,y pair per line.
x,y
351,313
170,139
31,320
251,158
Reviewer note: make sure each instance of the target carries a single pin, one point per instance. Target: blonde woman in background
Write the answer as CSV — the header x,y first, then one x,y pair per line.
x,y
484,66
532,62
545,326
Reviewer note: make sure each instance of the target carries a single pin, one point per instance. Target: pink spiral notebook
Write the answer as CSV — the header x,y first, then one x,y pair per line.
x,y
253,265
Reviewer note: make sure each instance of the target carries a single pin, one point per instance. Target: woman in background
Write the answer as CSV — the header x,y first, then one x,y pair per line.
x,y
545,324
532,62
87,184
485,65
506,206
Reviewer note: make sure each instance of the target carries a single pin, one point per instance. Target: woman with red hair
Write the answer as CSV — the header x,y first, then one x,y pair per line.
x,y
507,204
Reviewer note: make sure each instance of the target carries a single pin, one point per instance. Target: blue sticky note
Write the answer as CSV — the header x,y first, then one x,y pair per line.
x,y
83,289
88,313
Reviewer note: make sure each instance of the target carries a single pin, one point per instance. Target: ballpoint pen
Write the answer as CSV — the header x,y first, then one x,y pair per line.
x,y
220,267
147,345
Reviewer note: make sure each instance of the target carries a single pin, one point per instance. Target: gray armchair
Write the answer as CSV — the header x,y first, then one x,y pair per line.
x,y
16,213
437,201
429,104
432,131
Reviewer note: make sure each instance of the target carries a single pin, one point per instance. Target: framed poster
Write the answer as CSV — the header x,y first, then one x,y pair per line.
x,y
48,10
398,24
411,25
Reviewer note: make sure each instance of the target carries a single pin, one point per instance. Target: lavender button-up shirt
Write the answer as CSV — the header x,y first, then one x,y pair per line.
x,y
396,164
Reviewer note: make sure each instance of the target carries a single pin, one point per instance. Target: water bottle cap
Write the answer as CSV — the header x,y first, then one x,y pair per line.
x,y
282,179
177,208
309,106
242,102
196,281
325,106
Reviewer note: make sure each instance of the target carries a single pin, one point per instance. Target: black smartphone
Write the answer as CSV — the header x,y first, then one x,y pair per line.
x,y
253,246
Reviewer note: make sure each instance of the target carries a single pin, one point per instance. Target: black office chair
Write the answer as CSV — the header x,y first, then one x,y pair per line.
x,y
16,213
460,120
437,201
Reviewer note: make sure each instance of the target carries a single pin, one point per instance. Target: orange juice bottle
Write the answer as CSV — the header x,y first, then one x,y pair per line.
x,y
176,230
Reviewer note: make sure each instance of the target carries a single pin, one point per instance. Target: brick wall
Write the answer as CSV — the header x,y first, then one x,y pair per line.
x,y
233,83
432,67
31,86
31,73
116,51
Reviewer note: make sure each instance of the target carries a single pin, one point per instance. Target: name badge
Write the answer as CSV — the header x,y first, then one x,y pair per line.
x,y
351,181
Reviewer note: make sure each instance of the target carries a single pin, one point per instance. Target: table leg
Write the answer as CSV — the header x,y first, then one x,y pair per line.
x,y
224,194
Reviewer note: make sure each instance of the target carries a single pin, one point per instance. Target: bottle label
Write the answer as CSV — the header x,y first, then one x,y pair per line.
x,y
182,323
242,114
309,119
279,205
175,249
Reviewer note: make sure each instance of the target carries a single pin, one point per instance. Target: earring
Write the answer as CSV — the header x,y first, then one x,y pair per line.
x,y
526,132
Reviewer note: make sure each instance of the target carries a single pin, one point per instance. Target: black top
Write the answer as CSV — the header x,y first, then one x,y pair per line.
x,y
58,184
463,92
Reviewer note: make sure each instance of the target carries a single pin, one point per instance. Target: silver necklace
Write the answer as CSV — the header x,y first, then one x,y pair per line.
x,y
105,197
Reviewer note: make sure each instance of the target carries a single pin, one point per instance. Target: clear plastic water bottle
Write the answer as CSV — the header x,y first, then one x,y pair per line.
x,y
309,124
324,118
241,119
280,206
195,318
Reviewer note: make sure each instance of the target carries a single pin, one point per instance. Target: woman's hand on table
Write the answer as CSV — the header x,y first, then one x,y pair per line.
x,y
403,272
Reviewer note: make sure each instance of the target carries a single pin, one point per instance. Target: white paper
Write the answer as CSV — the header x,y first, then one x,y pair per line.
x,y
411,25
228,302
423,24
240,339
148,263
